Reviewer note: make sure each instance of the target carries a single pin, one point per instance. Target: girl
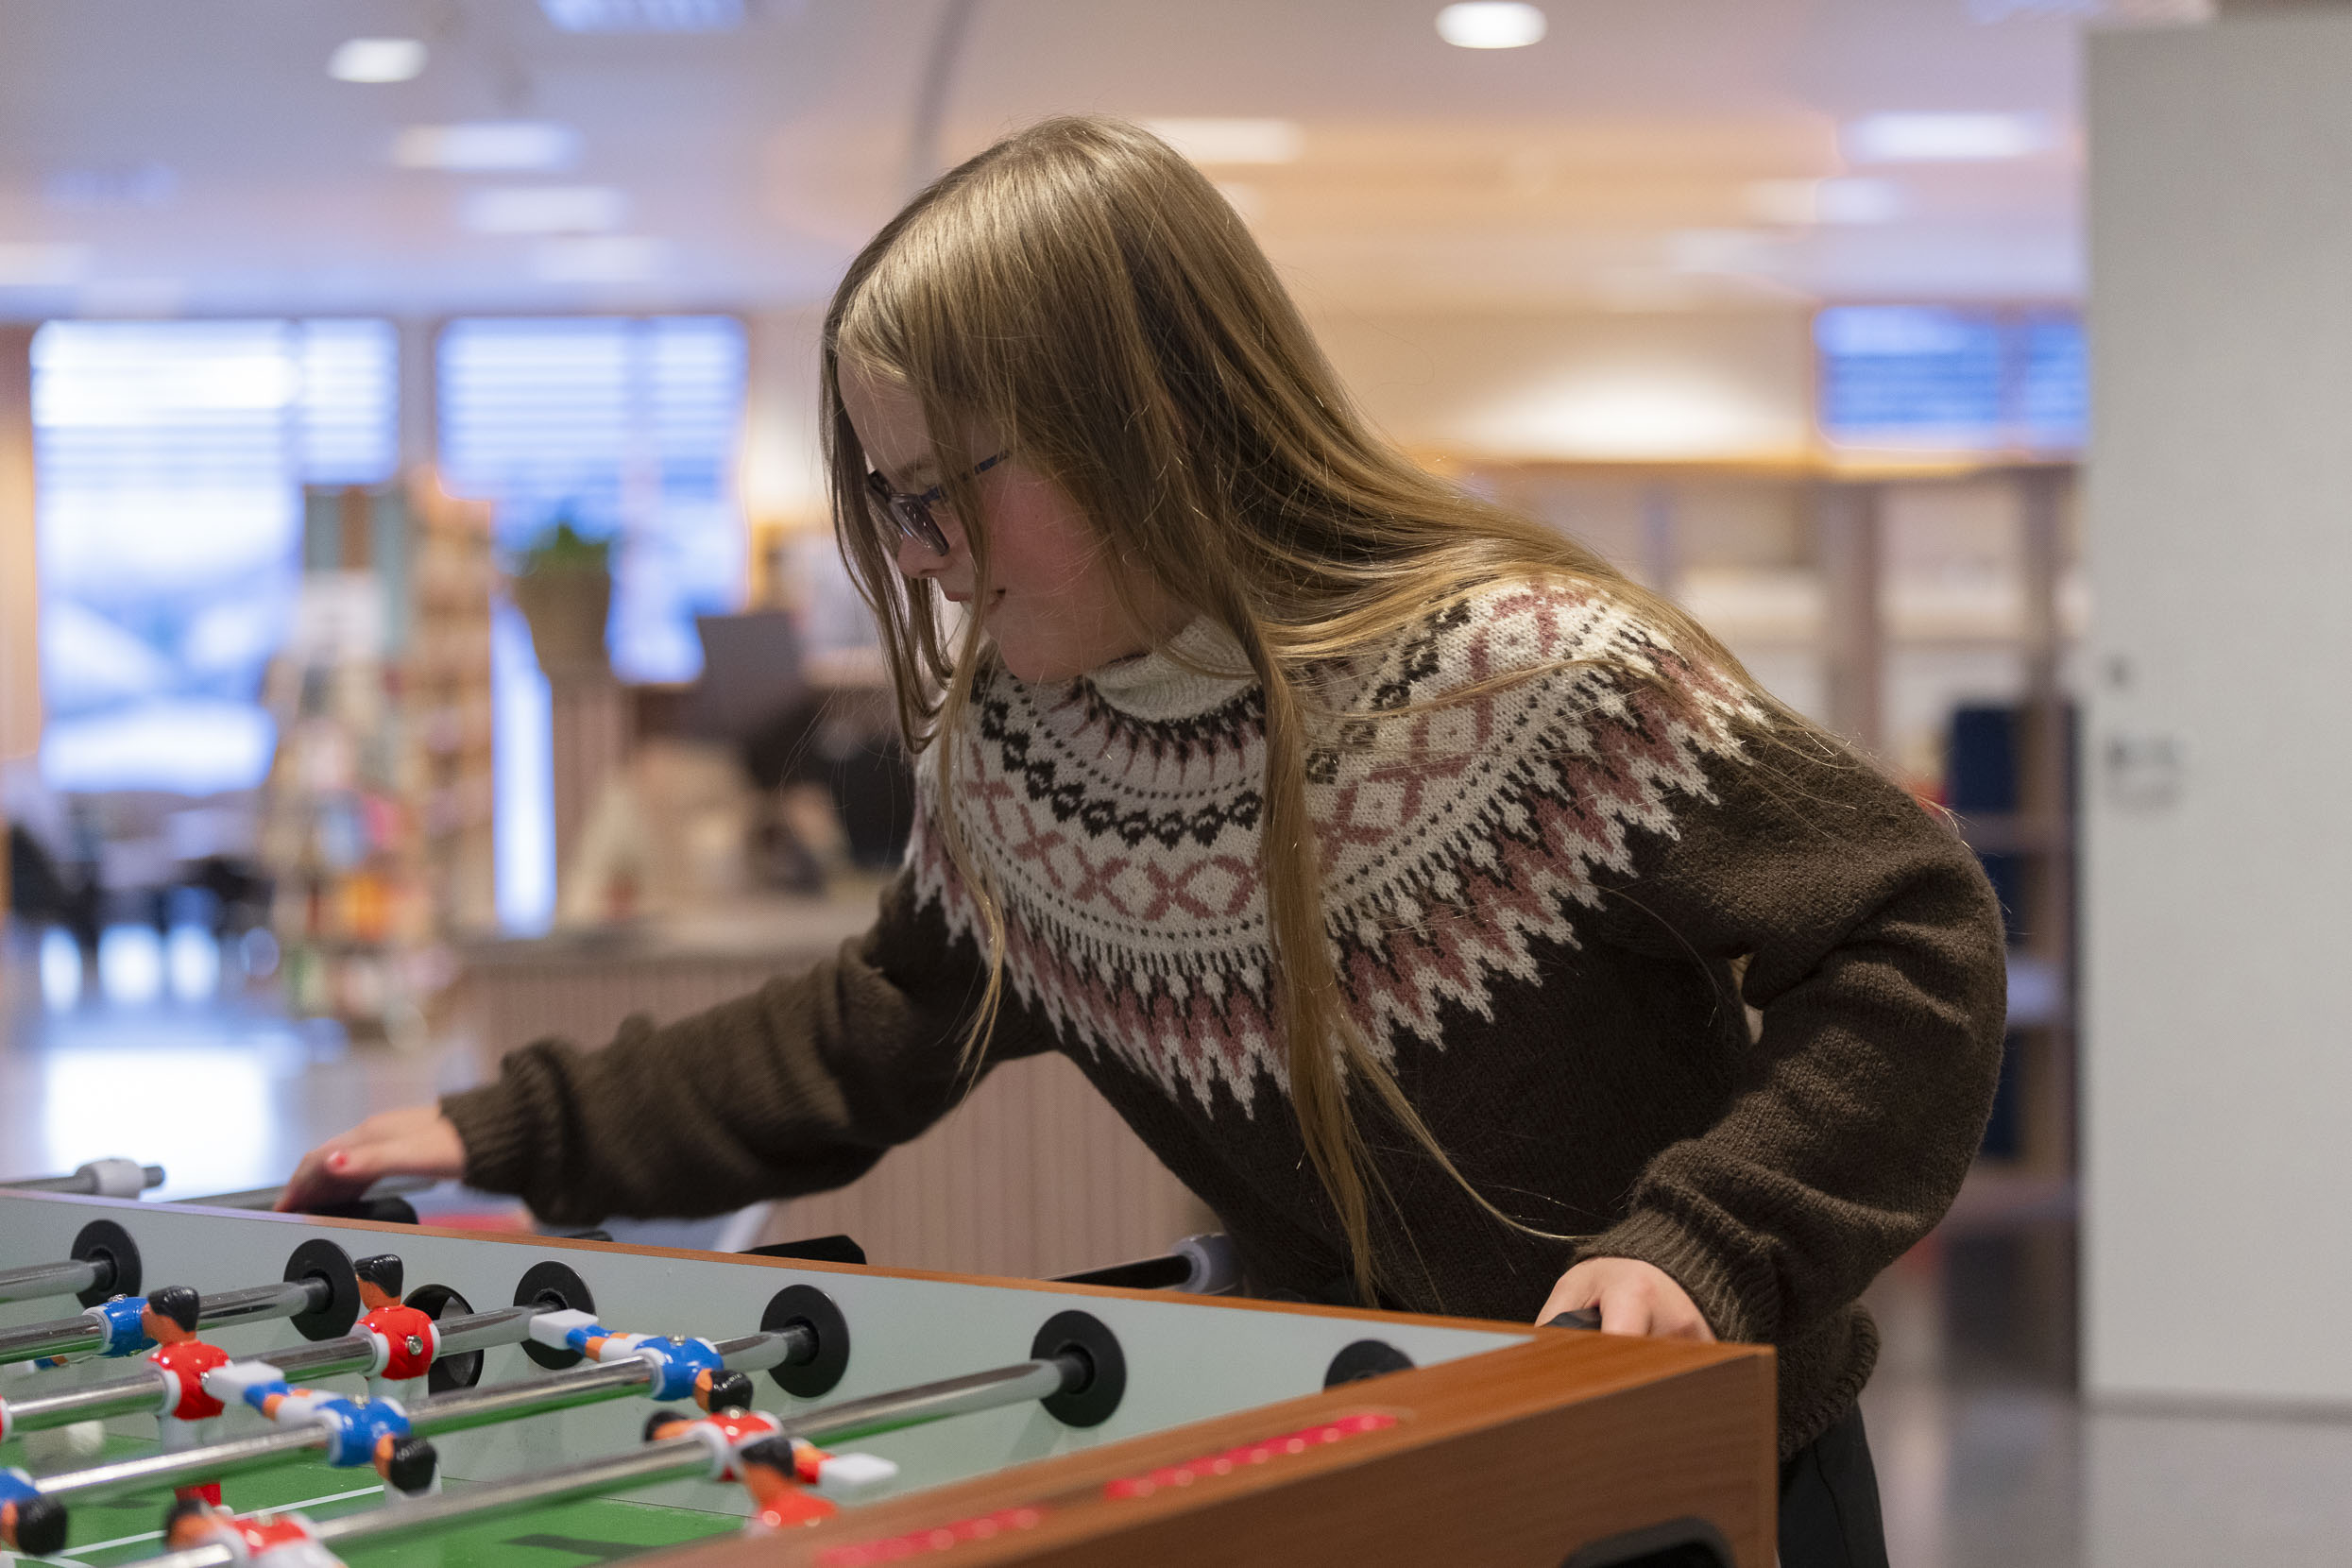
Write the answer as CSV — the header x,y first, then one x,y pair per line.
x,y
1453,915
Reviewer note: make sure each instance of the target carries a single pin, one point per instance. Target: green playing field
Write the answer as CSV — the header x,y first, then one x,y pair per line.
x,y
107,1534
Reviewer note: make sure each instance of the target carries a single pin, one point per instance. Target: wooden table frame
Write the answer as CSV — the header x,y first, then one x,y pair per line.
x,y
1562,1452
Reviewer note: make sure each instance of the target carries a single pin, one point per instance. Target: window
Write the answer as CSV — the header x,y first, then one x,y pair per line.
x,y
1936,377
626,428
170,457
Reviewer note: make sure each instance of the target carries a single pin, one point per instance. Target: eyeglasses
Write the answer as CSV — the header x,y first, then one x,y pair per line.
x,y
912,513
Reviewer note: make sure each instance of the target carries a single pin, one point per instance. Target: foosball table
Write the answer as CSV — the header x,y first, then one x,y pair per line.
x,y
319,1390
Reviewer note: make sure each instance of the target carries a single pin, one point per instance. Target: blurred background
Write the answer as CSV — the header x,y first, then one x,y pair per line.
x,y
420,629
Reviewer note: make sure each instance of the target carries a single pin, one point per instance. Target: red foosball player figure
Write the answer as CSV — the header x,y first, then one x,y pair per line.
x,y
781,1477
274,1540
190,1416
791,1482
407,1339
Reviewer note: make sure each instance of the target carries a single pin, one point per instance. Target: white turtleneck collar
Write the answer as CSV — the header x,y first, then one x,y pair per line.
x,y
1166,682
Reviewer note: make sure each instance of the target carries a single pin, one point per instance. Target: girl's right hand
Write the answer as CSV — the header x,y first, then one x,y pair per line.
x,y
416,1140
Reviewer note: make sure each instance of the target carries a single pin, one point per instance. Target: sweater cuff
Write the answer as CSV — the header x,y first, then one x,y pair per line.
x,y
499,1153
1723,1293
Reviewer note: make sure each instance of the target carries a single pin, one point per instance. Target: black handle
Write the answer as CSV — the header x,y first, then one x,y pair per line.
x,y
1583,1317
391,1211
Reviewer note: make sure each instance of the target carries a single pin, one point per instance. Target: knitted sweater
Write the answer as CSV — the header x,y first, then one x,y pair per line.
x,y
1666,982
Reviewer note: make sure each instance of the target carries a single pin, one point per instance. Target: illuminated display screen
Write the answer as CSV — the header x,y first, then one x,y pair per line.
x,y
1947,377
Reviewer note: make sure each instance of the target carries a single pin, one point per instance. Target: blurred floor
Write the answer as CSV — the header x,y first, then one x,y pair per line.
x,y
222,1090
1987,1458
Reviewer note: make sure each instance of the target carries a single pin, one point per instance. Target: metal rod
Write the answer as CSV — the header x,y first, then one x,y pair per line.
x,y
73,1335
116,1396
450,1412
143,1389
59,1336
83,1182
472,1407
210,1462
590,1384
286,1300
56,1279
674,1459
929,1402
505,1326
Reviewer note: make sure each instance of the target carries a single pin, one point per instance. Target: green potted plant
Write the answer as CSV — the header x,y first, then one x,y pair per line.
x,y
563,586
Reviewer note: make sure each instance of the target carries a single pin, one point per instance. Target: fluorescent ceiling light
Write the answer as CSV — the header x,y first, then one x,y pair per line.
x,y
1231,141
1806,201
377,59
1490,25
609,259
39,265
1943,138
487,145
645,16
544,209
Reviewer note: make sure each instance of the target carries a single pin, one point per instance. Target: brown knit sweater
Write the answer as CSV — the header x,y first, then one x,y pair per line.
x,y
1553,905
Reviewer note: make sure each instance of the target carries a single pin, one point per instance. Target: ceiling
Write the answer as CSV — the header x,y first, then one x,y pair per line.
x,y
193,156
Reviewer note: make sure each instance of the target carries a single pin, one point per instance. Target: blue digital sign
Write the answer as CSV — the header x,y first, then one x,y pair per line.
x,y
1953,378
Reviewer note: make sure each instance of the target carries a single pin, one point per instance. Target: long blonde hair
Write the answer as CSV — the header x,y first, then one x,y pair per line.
x,y
1085,292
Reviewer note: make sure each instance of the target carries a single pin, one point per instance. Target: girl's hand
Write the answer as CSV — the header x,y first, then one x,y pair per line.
x,y
1634,1297
416,1140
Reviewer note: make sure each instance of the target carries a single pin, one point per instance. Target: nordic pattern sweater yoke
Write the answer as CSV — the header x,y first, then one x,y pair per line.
x,y
1556,905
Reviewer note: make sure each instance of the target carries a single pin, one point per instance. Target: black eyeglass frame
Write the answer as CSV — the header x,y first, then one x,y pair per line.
x,y
913,512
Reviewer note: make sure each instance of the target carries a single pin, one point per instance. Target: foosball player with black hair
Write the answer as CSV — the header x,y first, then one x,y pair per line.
x,y
29,1523
407,1337
191,1414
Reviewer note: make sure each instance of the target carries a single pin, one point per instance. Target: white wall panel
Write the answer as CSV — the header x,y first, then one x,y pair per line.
x,y
2219,1155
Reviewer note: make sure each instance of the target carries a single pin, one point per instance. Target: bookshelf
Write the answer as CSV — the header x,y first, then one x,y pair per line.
x,y
375,822
1882,595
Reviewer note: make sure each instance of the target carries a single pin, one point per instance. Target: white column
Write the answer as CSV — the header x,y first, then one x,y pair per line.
x,y
20,589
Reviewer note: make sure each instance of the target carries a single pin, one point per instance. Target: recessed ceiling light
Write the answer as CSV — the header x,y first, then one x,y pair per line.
x,y
607,259
544,209
1943,138
1803,201
1490,25
645,16
487,145
377,59
1231,141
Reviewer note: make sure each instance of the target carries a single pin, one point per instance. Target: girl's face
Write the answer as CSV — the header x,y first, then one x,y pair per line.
x,y
1053,609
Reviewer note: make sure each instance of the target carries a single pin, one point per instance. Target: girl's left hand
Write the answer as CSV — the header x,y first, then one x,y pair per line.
x,y
1634,1297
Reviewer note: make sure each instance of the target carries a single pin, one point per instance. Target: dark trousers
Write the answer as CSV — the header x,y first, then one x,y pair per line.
x,y
1830,1502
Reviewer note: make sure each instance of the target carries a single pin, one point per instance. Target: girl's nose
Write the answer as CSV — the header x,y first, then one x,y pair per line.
x,y
917,559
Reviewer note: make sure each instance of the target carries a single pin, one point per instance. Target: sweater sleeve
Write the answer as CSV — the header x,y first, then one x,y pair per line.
x,y
801,1086
1866,934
